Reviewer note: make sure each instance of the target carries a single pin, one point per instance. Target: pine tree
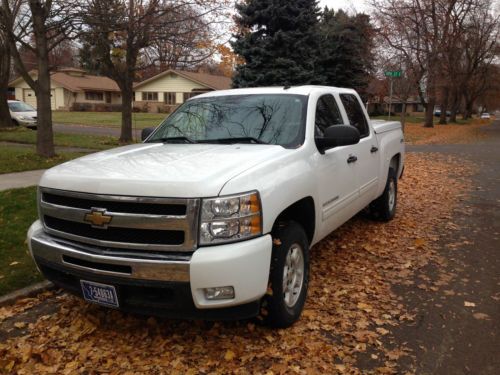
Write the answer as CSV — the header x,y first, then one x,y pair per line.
x,y
278,41
346,45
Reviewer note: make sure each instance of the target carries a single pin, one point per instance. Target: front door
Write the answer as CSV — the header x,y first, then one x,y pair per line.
x,y
336,176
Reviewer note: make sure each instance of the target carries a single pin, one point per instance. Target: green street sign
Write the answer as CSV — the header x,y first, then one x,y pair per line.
x,y
394,73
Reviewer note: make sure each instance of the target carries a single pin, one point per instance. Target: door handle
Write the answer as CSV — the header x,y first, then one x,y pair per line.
x,y
373,149
351,159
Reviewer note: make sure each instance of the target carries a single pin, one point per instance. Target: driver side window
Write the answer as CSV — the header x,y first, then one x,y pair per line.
x,y
327,114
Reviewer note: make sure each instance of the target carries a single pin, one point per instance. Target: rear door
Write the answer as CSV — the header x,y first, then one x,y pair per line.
x,y
366,151
336,177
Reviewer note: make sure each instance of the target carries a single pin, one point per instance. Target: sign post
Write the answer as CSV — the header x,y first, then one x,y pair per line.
x,y
392,74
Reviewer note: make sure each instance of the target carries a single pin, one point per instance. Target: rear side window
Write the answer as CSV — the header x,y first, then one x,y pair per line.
x,y
327,114
355,113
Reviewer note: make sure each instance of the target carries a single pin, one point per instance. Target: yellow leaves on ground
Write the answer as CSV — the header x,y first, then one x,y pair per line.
x,y
349,315
444,134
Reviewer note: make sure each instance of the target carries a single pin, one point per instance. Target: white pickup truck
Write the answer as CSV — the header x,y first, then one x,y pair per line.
x,y
213,215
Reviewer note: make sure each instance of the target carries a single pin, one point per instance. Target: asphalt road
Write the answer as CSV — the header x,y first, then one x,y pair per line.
x,y
450,337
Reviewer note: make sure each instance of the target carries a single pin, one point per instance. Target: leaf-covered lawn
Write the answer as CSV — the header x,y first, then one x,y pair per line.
x,y
17,212
109,119
348,322
23,135
17,159
445,134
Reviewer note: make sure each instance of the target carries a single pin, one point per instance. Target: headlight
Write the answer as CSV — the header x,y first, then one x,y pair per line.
x,y
27,118
231,218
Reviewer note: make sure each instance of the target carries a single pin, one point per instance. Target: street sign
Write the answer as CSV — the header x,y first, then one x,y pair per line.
x,y
394,73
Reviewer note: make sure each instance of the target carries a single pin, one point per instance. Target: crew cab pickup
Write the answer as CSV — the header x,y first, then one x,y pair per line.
x,y
213,215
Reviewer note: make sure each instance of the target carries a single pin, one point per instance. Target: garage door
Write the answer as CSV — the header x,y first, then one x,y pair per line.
x,y
30,98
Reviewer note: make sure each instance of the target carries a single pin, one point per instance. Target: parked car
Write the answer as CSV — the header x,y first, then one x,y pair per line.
x,y
485,115
219,205
22,113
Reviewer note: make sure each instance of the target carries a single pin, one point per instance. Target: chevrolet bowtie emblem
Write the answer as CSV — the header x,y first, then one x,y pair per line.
x,y
98,218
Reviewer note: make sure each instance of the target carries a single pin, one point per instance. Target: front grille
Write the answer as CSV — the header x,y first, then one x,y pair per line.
x,y
116,206
139,236
146,224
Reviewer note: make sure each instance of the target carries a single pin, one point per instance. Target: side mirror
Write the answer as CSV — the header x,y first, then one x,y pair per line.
x,y
146,132
337,135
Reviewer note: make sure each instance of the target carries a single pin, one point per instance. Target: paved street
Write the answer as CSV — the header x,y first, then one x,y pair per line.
x,y
450,337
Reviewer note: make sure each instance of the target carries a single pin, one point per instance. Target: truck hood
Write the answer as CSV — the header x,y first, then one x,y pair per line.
x,y
162,170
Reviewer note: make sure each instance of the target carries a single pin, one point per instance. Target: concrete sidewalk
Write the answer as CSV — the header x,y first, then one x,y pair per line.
x,y
20,179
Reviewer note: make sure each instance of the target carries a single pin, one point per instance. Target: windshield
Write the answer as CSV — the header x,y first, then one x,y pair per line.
x,y
21,107
276,119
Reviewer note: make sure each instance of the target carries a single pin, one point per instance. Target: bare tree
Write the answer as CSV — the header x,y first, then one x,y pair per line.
x,y
118,32
427,32
47,23
5,58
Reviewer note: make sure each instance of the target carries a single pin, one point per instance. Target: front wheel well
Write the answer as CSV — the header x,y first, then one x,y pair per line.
x,y
301,212
394,163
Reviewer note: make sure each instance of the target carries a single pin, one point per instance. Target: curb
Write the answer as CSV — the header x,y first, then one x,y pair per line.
x,y
29,291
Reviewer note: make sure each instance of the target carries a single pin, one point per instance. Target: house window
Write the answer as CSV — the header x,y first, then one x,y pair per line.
x,y
169,97
94,95
150,96
188,95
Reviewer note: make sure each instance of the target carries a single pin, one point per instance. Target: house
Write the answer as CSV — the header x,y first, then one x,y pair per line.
x,y
166,90
71,88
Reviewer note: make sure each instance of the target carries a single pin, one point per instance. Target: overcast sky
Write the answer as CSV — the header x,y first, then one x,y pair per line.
x,y
356,5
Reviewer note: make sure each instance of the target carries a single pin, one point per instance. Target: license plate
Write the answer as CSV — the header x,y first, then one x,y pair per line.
x,y
101,294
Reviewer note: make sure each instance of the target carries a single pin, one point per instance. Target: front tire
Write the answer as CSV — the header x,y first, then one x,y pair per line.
x,y
289,275
384,207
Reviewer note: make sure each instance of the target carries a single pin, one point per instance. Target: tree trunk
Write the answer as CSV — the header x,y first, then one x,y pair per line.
x,y
429,113
126,129
444,106
454,106
45,136
5,120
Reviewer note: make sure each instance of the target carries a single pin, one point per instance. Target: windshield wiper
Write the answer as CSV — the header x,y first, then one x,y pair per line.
x,y
174,139
237,140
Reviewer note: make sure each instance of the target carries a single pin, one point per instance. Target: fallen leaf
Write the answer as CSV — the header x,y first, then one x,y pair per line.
x,y
469,304
481,316
229,356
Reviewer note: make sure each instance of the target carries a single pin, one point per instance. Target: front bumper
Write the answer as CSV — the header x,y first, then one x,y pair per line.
x,y
140,281
27,123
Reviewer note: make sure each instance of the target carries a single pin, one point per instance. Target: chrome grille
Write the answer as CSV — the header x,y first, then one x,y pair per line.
x,y
142,223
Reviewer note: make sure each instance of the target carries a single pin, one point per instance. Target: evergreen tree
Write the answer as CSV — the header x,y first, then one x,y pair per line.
x,y
278,40
346,49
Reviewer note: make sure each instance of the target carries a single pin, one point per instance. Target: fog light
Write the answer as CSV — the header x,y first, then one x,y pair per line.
x,y
222,292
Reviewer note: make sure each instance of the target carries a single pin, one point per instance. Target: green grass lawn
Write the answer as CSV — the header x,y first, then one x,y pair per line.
x,y
17,212
23,135
17,159
111,119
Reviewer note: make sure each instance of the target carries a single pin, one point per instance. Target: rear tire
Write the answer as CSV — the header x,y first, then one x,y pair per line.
x,y
384,207
289,276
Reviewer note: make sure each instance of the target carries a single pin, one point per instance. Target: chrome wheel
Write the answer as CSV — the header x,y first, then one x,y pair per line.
x,y
293,274
392,194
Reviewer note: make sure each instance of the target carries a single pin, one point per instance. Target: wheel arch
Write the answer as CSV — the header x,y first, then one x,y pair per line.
x,y
302,212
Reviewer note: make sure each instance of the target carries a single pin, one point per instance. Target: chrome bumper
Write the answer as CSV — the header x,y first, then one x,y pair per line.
x,y
48,248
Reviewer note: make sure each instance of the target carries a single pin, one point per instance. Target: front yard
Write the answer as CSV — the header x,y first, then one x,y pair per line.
x,y
17,212
107,119
23,135
15,158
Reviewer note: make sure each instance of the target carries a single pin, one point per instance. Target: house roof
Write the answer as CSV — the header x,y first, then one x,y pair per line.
x,y
211,81
75,79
